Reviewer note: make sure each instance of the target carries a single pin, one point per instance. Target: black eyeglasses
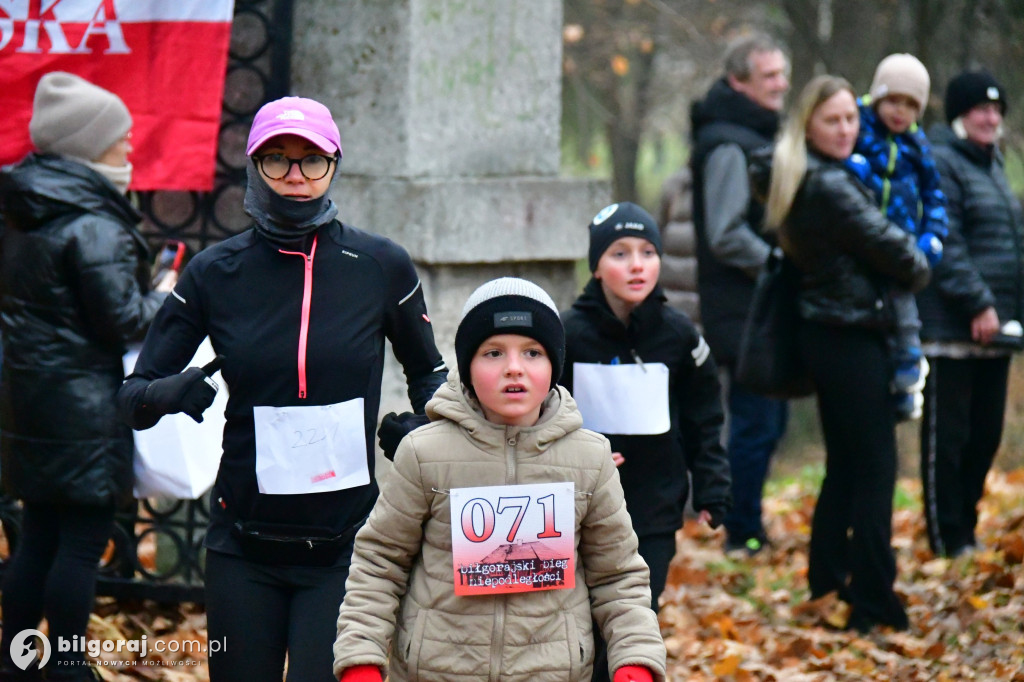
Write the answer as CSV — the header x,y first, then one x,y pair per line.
x,y
277,166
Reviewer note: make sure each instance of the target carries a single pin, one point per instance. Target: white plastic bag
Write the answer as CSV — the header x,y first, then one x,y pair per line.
x,y
178,458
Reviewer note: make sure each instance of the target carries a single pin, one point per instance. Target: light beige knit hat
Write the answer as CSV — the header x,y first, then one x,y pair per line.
x,y
901,74
73,117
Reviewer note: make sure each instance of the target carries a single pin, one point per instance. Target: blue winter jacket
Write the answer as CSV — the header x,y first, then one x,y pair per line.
x,y
900,171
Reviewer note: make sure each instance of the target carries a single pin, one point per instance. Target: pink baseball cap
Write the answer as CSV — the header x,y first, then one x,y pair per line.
x,y
306,118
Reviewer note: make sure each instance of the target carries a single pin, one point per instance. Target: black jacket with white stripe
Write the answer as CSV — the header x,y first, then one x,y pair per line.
x,y
654,474
253,301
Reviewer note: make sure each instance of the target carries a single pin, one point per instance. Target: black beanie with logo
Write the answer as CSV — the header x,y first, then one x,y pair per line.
x,y
968,90
509,305
624,219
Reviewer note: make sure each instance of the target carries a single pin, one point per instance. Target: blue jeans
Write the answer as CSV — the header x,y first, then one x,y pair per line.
x,y
756,424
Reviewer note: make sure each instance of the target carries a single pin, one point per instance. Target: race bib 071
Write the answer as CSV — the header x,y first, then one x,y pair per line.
x,y
513,538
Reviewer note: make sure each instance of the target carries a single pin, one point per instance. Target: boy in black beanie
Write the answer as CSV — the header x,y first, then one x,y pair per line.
x,y
501,533
643,376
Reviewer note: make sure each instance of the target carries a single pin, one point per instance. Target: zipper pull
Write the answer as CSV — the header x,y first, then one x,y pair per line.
x,y
637,359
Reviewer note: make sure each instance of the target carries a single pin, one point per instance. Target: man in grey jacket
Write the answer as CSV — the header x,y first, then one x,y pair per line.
x,y
739,114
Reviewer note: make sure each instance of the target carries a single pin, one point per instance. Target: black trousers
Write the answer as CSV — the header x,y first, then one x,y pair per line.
x,y
851,534
258,614
965,400
53,574
657,551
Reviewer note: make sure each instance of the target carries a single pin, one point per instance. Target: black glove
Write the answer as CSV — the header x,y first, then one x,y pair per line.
x,y
394,427
190,392
718,512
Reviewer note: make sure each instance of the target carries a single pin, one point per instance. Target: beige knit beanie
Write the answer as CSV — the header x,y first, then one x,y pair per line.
x,y
73,117
901,74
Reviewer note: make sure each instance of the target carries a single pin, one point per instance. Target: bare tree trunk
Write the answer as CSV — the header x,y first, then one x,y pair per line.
x,y
626,127
968,26
624,151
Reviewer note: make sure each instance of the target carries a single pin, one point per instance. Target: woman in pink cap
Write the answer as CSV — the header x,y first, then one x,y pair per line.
x,y
299,308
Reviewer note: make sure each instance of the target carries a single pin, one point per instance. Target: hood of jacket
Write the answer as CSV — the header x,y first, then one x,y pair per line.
x,y
725,105
44,188
558,417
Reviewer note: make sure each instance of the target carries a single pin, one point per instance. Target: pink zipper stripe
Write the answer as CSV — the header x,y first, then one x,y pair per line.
x,y
307,297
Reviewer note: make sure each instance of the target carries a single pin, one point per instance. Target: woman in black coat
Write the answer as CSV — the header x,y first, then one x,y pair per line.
x,y
847,254
977,288
75,280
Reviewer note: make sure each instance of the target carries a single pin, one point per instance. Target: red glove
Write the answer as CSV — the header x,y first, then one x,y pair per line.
x,y
362,673
633,673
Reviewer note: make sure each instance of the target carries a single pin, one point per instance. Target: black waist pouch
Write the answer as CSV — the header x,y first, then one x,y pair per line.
x,y
281,544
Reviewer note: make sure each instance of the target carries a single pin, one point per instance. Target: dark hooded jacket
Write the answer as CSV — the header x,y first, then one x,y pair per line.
x,y
982,262
655,474
727,117
75,291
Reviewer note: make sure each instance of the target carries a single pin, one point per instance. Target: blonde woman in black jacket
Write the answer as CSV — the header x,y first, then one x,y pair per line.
x,y
847,254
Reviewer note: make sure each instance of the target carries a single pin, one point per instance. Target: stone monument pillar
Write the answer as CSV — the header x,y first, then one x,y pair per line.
x,y
449,113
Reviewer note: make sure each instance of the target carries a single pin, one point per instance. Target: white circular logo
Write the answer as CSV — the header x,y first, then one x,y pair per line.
x,y
23,650
605,212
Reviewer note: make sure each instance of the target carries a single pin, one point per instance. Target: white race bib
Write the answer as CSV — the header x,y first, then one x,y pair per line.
x,y
310,449
514,538
629,400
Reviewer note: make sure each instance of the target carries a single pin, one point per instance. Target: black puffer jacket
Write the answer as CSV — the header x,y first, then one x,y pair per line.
x,y
981,263
848,253
655,475
75,290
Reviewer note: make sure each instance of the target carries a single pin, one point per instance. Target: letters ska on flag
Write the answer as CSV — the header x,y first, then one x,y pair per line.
x,y
165,58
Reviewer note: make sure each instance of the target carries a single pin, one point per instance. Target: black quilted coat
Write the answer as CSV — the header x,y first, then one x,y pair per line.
x,y
983,261
848,253
75,290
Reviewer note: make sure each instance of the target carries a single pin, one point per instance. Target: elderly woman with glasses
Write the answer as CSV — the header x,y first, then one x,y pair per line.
x,y
299,308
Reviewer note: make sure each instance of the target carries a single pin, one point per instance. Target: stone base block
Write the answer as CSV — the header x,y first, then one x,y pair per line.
x,y
476,220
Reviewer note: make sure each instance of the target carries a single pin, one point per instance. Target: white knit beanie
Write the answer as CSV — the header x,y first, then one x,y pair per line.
x,y
73,117
509,305
901,74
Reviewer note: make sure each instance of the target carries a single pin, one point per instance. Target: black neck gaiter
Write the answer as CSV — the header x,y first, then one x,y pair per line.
x,y
284,221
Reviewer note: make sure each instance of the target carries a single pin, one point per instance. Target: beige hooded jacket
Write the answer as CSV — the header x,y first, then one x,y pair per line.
x,y
400,598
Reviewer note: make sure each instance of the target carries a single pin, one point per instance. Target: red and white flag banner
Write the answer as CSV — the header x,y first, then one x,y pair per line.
x,y
165,58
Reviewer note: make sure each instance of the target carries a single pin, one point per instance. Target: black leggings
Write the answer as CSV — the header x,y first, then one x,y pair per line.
x,y
53,574
259,613
851,533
